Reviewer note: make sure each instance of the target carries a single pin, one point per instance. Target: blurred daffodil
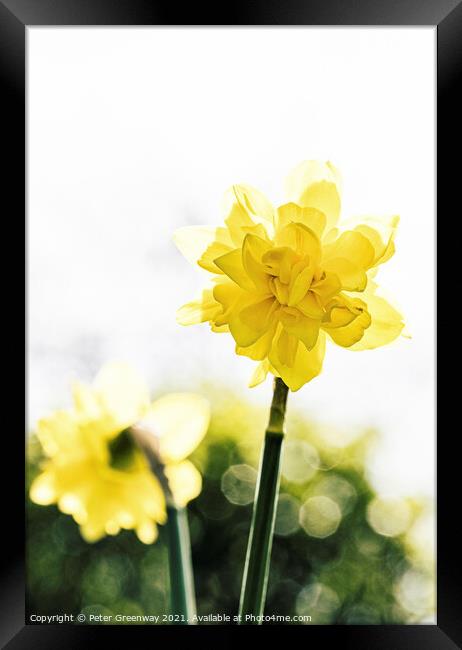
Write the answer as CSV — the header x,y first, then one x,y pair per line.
x,y
95,472
285,279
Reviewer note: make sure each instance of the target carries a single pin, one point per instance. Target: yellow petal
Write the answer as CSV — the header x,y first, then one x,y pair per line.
x,y
246,330
43,489
213,251
326,288
253,202
185,482
306,365
255,319
315,184
286,346
293,213
86,400
351,276
260,373
202,244
246,208
180,421
381,234
386,323
220,329
112,527
92,533
352,246
260,349
147,532
232,300
59,431
330,236
146,493
310,306
231,264
73,504
341,311
300,285
122,391
279,262
304,329
199,311
301,239
253,249
280,290
227,294
347,329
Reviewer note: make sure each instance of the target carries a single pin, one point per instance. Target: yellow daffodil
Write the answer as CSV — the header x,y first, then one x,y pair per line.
x,y
96,473
285,279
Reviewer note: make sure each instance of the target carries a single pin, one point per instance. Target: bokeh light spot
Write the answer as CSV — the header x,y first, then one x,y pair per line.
x,y
389,516
338,489
415,591
320,516
238,484
318,601
300,461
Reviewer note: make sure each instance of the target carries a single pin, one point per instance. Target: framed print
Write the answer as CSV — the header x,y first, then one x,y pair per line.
x,y
230,227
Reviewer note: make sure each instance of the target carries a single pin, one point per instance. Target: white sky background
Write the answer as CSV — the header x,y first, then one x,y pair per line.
x,y
135,132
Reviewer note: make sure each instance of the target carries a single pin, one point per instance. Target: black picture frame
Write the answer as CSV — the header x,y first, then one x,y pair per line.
x,y
446,16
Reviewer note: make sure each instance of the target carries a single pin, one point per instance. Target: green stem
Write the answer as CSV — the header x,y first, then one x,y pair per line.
x,y
257,561
183,600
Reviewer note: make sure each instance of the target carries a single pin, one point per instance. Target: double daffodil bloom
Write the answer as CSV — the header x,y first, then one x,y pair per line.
x,y
96,473
286,279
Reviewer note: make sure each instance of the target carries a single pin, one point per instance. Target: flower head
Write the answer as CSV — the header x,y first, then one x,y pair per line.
x,y
285,279
96,473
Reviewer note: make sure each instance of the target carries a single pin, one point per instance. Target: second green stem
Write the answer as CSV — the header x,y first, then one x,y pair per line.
x,y
183,601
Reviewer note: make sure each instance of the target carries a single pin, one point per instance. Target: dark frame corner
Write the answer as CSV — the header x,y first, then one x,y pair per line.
x,y
446,16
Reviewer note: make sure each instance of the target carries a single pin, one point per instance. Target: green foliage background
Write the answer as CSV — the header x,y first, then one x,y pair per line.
x,y
349,577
